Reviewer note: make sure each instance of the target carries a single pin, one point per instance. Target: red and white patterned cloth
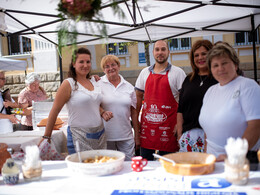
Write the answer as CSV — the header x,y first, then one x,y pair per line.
x,y
49,152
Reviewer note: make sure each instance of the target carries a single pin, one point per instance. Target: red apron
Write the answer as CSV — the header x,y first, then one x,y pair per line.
x,y
159,115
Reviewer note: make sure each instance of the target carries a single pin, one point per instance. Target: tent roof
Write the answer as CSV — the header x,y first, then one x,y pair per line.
x,y
10,64
146,20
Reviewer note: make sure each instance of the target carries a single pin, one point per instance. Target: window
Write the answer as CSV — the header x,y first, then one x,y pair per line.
x,y
245,38
179,44
117,48
26,44
14,44
19,45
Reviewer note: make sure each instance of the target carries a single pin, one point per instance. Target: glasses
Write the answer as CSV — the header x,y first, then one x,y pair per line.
x,y
111,66
2,78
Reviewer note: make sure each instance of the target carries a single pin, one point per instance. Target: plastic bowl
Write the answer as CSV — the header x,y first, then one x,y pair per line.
x,y
95,169
189,163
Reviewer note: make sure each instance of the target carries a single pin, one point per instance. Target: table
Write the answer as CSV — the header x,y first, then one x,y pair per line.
x,y
18,140
59,180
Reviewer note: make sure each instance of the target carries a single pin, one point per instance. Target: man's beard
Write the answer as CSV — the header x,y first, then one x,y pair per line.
x,y
162,61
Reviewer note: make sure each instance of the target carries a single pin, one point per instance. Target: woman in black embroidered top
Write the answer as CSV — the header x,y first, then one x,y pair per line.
x,y
189,132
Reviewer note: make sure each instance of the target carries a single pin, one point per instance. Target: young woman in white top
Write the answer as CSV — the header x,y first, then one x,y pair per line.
x,y
82,96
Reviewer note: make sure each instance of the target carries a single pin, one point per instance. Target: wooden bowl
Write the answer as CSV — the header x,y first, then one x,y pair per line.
x,y
189,163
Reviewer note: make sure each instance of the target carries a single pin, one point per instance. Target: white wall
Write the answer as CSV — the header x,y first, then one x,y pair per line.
x,y
152,60
45,61
92,50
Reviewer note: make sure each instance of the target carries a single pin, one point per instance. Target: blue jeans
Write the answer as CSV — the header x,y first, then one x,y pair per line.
x,y
70,145
148,153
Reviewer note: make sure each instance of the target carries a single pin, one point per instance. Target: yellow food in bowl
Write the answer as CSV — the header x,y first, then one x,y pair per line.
x,y
99,159
113,165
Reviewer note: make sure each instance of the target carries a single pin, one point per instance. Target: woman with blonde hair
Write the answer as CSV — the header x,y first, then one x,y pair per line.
x,y
118,96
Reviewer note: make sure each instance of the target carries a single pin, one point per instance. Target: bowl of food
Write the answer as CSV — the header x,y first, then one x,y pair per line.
x,y
189,163
96,162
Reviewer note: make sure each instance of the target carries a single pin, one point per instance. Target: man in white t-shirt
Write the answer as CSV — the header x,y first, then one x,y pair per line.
x,y
159,85
6,120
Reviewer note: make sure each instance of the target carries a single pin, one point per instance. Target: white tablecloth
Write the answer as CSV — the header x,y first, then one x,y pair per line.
x,y
57,179
18,140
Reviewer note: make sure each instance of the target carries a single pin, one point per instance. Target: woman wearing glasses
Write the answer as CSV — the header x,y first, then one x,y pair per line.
x,y
118,96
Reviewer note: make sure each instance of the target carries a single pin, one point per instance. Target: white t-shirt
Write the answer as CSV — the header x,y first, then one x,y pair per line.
x,y
176,77
83,106
6,126
118,100
226,110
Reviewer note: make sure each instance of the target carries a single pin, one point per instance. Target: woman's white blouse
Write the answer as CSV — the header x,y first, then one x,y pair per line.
x,y
226,110
83,105
118,100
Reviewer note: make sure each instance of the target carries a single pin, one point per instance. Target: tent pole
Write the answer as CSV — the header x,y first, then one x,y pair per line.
x,y
254,48
61,72
134,11
60,63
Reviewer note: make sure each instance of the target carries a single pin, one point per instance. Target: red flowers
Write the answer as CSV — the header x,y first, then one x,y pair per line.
x,y
189,148
79,8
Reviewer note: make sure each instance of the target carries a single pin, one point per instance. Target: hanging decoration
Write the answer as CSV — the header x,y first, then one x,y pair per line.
x,y
73,11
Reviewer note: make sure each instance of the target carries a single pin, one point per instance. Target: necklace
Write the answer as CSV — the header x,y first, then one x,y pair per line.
x,y
202,80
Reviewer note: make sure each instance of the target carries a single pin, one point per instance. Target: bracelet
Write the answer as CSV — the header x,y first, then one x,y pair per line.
x,y
46,137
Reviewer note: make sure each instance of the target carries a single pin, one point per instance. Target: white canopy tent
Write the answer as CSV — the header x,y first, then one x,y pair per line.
x,y
10,64
146,20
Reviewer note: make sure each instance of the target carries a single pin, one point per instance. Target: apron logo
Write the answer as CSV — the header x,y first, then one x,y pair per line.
x,y
164,139
152,132
145,105
166,107
154,115
164,134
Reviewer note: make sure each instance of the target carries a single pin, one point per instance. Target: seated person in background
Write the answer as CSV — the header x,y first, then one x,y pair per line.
x,y
6,120
230,108
32,92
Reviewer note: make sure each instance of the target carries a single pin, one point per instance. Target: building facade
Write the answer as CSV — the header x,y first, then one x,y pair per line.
x,y
43,57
